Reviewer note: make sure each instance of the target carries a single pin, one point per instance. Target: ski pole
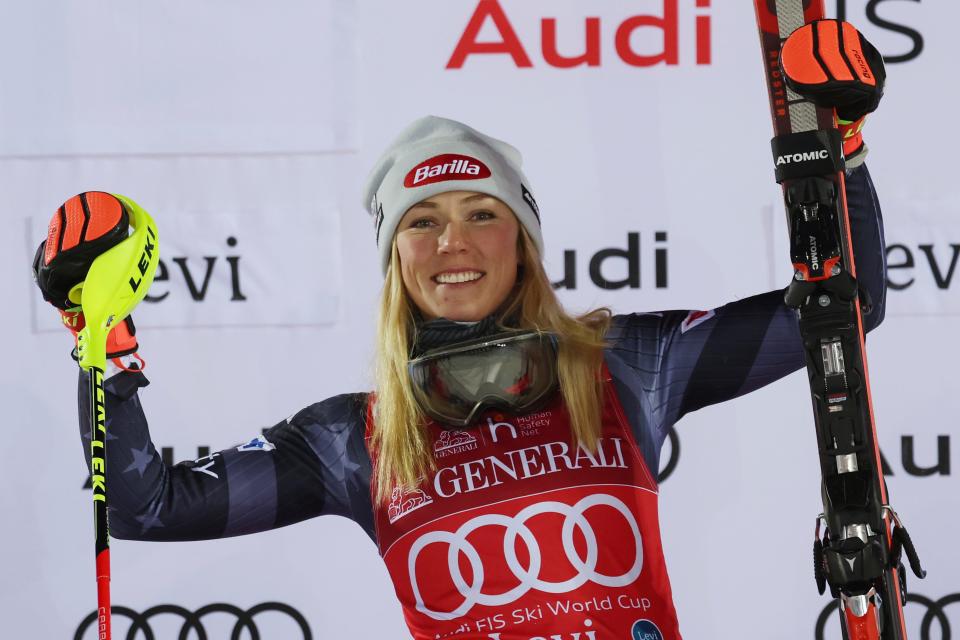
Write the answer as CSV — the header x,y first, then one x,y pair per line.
x,y
116,282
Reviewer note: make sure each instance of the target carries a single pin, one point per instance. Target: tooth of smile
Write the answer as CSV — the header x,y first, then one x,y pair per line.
x,y
463,276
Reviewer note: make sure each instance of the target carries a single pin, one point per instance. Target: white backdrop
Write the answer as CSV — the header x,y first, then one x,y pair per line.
x,y
246,129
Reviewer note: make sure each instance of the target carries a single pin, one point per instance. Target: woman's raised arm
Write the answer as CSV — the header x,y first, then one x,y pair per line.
x,y
310,464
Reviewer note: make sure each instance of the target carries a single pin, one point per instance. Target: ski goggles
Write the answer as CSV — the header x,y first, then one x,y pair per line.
x,y
514,372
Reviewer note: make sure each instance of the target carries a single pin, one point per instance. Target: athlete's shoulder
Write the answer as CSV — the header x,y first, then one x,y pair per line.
x,y
635,345
632,324
653,325
345,411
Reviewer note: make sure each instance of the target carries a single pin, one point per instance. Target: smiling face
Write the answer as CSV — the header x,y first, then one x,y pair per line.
x,y
458,255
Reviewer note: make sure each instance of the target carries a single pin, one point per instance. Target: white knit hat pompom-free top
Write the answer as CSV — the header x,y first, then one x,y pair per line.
x,y
436,155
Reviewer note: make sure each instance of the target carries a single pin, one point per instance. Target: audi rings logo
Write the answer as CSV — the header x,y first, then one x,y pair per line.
x,y
934,614
528,577
193,621
673,444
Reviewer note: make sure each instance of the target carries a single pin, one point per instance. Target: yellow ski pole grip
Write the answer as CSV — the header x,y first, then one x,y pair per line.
x,y
117,281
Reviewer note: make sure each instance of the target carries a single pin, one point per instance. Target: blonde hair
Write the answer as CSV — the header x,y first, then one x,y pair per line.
x,y
400,438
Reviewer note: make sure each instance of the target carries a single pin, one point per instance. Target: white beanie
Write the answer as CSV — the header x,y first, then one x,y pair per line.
x,y
436,155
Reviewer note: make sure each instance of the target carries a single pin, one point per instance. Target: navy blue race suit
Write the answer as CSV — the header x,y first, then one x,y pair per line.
x,y
663,365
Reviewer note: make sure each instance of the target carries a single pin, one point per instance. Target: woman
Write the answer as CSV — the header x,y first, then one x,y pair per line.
x,y
505,465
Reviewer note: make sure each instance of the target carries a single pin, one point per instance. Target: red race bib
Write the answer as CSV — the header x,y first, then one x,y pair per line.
x,y
521,535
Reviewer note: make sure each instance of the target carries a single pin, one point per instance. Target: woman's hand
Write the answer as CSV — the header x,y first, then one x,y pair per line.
x,y
83,228
831,64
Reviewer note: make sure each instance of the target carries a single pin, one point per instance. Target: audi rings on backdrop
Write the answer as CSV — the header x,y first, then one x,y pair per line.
x,y
529,578
666,470
140,628
934,612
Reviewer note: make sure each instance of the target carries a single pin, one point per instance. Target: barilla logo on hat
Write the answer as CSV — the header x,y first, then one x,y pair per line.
x,y
449,166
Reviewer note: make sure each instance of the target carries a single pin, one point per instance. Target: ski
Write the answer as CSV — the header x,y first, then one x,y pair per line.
x,y
859,552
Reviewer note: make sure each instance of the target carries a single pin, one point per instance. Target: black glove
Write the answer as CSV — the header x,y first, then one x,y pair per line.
x,y
86,226
831,64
